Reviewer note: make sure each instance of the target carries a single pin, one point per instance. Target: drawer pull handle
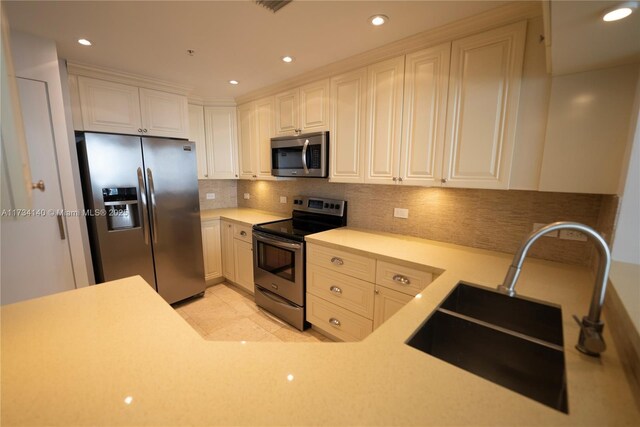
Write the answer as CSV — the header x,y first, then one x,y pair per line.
x,y
334,322
401,279
243,233
337,261
335,290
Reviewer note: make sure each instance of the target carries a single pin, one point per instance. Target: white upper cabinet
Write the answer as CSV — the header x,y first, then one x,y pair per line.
x,y
164,114
302,110
263,109
483,103
314,107
347,119
426,82
196,134
109,107
385,82
246,141
287,120
119,108
220,133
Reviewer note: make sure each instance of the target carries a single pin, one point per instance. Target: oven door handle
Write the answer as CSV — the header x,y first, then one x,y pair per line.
x,y
304,157
261,237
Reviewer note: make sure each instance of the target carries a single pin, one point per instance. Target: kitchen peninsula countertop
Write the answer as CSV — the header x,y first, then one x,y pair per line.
x,y
242,215
117,354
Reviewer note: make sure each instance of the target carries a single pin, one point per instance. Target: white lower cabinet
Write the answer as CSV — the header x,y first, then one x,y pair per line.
x,y
226,239
387,303
243,260
211,249
349,295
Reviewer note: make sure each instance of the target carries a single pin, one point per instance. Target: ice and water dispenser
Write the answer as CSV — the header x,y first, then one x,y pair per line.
x,y
121,205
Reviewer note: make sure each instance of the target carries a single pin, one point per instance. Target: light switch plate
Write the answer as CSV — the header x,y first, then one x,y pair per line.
x,y
247,196
283,199
401,213
211,196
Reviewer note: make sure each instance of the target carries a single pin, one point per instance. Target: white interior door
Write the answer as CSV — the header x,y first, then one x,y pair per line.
x,y
36,258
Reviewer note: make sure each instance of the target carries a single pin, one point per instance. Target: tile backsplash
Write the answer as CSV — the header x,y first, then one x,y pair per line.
x,y
226,192
488,219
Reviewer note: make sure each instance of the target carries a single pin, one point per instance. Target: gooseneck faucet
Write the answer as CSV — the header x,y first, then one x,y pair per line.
x,y
590,341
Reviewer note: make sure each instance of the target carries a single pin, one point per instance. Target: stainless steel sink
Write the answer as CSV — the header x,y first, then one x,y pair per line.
x,y
513,342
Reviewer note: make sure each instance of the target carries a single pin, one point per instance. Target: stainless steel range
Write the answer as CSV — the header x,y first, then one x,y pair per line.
x,y
279,255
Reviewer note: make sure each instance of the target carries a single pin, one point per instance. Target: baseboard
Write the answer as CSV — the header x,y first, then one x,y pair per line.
x,y
626,339
213,281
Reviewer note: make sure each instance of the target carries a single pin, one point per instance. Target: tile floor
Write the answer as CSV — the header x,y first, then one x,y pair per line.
x,y
228,313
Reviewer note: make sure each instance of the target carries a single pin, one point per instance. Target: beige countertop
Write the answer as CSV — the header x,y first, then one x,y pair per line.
x,y
242,215
78,357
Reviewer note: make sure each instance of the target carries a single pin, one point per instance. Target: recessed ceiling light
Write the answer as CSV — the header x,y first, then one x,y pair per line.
x,y
377,20
84,42
233,82
287,59
619,12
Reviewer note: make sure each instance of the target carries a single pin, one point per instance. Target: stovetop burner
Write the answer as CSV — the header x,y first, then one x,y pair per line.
x,y
310,215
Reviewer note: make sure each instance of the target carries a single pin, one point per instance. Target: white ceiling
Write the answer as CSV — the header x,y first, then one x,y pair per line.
x,y
581,40
232,39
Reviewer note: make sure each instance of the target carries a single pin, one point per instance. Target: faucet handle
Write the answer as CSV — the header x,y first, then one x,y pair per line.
x,y
590,341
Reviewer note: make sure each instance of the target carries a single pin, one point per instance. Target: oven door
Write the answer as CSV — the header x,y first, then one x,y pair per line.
x,y
278,266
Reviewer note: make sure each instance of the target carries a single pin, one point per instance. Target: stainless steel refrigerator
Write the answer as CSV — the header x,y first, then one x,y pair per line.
x,y
141,194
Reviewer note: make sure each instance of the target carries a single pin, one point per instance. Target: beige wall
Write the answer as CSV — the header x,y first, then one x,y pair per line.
x,y
488,219
225,191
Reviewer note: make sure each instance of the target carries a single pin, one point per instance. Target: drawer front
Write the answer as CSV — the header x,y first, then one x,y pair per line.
x,y
404,279
242,232
337,321
348,292
357,266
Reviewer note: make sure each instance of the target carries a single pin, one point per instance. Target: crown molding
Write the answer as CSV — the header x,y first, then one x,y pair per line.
x,y
500,16
112,75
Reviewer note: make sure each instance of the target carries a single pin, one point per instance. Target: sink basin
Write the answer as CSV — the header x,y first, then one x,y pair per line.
x,y
476,333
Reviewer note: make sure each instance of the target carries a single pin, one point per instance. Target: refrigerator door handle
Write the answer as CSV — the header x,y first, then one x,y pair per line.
x,y
145,214
154,218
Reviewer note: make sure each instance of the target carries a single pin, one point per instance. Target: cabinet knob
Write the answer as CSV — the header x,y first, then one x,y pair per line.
x,y
243,233
140,130
377,292
334,322
395,179
335,290
443,180
337,261
144,130
206,175
255,176
236,176
400,178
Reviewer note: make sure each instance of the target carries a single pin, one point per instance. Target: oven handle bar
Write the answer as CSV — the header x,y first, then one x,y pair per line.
x,y
278,243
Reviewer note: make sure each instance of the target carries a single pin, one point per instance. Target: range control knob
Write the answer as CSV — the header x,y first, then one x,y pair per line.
x,y
326,205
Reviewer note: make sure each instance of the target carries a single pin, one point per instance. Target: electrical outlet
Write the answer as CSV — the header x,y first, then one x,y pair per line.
x,y
247,196
283,199
211,196
573,235
538,225
400,213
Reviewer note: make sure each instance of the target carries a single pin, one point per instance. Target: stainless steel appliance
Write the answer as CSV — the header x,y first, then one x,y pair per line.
x,y
142,194
279,255
303,156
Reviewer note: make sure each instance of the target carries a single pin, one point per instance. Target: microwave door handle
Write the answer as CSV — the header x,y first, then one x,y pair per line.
x,y
304,157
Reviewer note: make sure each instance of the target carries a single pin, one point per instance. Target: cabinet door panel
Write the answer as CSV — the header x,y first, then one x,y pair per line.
x,y
226,239
243,257
314,106
385,82
109,107
197,135
264,114
483,105
287,112
387,303
212,249
424,115
347,126
220,125
164,114
246,138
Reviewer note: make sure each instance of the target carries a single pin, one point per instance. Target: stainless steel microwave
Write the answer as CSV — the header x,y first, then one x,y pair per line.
x,y
303,156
